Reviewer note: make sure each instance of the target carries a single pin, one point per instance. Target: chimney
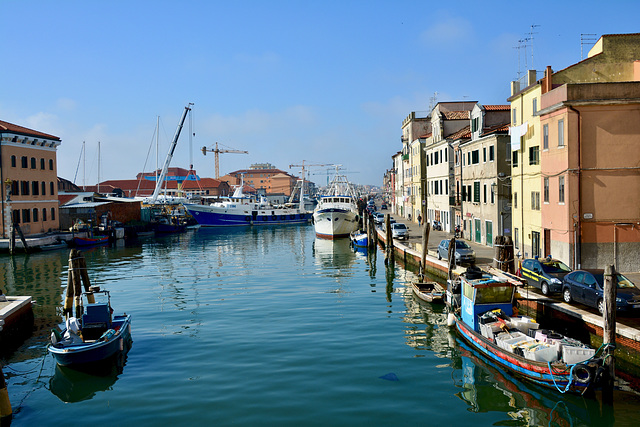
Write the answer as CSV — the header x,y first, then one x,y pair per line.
x,y
547,81
531,77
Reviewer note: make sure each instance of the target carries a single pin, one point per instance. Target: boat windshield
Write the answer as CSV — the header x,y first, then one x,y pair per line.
x,y
494,294
555,267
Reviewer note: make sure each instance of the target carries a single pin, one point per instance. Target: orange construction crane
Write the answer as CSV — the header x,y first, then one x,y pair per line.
x,y
217,151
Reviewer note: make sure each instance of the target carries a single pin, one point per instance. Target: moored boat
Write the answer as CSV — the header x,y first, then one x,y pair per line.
x,y
96,337
336,214
428,291
244,210
91,241
359,239
482,306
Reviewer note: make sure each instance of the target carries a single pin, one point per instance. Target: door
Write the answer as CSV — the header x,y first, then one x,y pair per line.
x,y
535,243
589,290
489,226
547,242
478,231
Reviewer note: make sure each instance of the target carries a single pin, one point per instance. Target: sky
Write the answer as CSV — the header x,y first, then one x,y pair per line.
x,y
319,82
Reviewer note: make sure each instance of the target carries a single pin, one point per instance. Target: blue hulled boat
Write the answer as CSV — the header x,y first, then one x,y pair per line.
x,y
482,307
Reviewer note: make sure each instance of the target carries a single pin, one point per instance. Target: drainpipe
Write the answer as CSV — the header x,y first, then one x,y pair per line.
x,y
578,239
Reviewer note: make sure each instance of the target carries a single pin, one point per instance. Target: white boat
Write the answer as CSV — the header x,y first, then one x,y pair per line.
x,y
337,212
245,210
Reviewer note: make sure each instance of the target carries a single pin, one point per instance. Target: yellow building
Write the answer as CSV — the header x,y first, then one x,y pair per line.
x,y
28,172
525,166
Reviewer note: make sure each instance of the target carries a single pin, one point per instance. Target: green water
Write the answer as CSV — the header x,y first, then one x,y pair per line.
x,y
268,326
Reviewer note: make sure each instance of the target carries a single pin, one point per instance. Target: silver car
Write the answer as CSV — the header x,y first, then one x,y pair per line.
x,y
399,231
464,253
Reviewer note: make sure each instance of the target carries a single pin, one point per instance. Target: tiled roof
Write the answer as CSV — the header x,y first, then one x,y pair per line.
x,y
495,129
465,132
426,135
455,115
10,127
65,198
497,107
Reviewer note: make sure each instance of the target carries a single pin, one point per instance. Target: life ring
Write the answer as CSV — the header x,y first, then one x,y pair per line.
x,y
581,373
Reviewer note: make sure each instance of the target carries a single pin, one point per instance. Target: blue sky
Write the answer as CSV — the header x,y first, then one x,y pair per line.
x,y
319,81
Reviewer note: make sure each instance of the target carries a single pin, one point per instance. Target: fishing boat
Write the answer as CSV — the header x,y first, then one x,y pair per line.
x,y
428,291
359,239
244,210
481,306
96,337
336,214
91,241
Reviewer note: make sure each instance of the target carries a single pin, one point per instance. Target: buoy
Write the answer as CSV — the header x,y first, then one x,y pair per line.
x,y
5,405
451,319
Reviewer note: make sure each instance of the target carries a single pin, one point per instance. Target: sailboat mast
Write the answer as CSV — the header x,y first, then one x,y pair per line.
x,y
157,132
98,167
84,164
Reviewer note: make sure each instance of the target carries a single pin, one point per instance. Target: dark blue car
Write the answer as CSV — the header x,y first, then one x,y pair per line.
x,y
586,287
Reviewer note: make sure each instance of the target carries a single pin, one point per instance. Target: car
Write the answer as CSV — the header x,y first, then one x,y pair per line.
x,y
545,274
378,218
399,231
391,221
383,206
464,253
587,286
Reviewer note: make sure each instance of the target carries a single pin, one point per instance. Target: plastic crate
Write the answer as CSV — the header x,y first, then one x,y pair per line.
x,y
573,355
542,353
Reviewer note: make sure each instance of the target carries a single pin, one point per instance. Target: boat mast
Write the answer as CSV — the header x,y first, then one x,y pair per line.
x,y
167,160
98,189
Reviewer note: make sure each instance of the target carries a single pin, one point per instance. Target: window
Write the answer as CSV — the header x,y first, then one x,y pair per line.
x,y
535,105
446,186
25,162
515,200
26,215
493,194
514,160
546,190
475,157
535,200
35,188
468,157
492,154
53,214
42,164
514,114
13,161
441,187
560,133
16,216
15,188
44,214
484,154
445,154
35,214
534,156
476,192
44,188
51,192
33,163
484,193
24,190
50,164
561,189
545,137
516,242
468,193
436,158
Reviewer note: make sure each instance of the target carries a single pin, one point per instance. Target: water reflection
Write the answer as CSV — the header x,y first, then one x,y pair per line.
x,y
334,255
75,385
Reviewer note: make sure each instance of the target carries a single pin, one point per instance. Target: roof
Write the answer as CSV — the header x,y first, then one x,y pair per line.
x,y
426,135
455,115
505,107
465,132
10,127
495,129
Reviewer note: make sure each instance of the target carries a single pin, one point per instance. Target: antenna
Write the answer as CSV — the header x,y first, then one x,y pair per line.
x,y
586,40
531,33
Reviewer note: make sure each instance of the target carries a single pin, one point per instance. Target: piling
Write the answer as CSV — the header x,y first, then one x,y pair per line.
x,y
503,258
5,405
426,229
609,332
389,258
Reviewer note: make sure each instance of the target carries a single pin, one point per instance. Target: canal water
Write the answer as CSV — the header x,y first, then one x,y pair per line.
x,y
268,326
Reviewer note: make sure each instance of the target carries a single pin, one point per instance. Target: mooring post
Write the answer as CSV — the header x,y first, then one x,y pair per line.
x,y
389,242
609,332
5,404
425,240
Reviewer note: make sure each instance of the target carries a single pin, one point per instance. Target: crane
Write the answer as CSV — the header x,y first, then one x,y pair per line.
x,y
217,152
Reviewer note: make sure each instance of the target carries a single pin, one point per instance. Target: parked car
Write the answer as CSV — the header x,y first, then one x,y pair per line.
x,y
383,206
378,218
545,274
391,221
464,253
399,231
586,287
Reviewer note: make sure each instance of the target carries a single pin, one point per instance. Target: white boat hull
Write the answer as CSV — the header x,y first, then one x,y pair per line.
x,y
331,223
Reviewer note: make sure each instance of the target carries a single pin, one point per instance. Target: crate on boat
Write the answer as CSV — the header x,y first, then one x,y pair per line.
x,y
509,344
524,324
489,330
572,355
541,352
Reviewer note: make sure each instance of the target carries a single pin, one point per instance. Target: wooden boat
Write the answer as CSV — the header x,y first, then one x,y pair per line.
x,y
91,241
54,246
96,337
482,306
428,291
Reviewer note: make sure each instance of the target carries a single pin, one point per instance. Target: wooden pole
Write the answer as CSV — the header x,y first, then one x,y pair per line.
x,y
68,301
425,240
609,332
389,237
451,257
82,266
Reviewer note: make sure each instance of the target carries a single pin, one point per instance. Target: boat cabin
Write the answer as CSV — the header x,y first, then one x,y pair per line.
x,y
96,320
484,292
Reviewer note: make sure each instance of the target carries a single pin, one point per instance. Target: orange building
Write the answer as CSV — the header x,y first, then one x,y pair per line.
x,y
28,173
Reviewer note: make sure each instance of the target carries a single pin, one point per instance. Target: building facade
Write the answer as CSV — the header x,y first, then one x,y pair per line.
x,y
28,171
